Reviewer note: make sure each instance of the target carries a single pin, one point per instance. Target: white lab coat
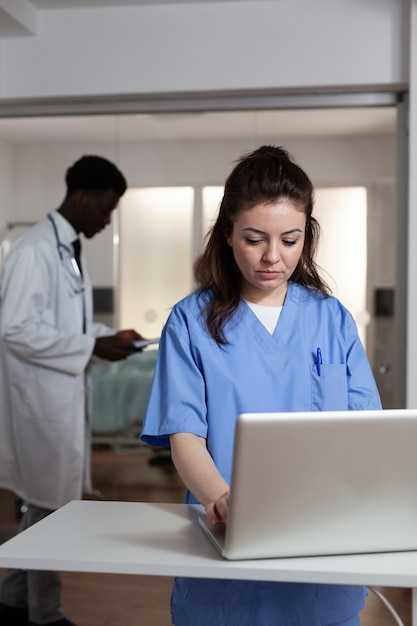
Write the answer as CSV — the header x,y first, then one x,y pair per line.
x,y
44,357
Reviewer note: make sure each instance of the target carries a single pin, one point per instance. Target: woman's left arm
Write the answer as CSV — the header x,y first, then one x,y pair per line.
x,y
362,389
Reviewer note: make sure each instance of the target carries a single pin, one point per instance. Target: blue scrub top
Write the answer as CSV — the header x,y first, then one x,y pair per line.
x,y
201,388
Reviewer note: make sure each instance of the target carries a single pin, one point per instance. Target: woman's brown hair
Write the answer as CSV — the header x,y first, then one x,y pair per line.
x,y
266,175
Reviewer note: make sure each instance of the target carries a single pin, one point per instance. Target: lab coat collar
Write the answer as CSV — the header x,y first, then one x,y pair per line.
x,y
67,232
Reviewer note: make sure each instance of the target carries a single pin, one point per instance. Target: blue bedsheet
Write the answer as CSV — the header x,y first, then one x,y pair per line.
x,y
120,392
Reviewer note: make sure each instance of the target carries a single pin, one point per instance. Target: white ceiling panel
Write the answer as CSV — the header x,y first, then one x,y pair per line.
x,y
73,4
194,126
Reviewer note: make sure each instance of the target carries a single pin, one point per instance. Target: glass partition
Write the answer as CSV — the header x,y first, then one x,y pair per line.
x,y
155,255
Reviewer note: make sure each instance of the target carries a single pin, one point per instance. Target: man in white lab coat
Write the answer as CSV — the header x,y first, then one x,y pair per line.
x,y
47,341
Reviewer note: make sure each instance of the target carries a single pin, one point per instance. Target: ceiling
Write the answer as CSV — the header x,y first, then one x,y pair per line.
x,y
20,17
278,124
72,4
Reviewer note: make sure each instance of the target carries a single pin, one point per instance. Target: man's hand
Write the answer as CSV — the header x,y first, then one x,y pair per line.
x,y
116,347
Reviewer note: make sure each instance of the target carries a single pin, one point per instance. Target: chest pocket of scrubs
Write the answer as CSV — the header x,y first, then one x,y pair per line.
x,y
329,391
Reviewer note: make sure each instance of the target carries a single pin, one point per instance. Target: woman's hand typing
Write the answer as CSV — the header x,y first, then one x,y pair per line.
x,y
217,511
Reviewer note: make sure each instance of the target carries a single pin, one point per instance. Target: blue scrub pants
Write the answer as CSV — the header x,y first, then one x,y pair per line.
x,y
37,591
352,621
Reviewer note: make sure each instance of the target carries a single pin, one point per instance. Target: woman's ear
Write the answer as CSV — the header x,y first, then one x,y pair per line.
x,y
229,239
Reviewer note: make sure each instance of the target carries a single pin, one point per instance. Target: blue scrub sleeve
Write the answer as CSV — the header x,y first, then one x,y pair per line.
x,y
177,398
362,390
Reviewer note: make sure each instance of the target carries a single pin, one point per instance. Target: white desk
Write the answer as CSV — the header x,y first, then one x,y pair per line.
x,y
165,540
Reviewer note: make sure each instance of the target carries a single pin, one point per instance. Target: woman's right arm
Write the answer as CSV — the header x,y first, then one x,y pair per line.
x,y
200,475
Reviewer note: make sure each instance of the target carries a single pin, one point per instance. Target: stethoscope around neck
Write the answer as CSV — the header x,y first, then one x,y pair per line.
x,y
72,271
66,254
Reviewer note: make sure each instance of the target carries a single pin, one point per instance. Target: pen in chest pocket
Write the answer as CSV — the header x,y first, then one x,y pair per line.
x,y
319,361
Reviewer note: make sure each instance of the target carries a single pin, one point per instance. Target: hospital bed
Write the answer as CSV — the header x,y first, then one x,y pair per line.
x,y
120,393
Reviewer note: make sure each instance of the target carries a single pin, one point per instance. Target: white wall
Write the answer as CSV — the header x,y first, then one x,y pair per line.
x,y
39,171
206,47
7,184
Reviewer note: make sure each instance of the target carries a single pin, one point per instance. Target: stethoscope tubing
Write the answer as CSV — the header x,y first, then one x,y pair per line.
x,y
61,246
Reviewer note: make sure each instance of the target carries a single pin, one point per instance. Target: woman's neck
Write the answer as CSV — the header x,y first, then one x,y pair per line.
x,y
274,298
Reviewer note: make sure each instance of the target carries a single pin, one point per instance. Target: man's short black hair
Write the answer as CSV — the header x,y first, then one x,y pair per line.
x,y
94,173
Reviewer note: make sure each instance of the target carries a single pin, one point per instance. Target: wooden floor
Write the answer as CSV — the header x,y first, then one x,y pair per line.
x,y
127,600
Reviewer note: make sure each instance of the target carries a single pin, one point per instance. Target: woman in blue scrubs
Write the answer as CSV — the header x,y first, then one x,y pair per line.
x,y
246,341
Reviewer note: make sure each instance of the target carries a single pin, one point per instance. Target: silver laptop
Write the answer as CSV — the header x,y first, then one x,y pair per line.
x,y
321,483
